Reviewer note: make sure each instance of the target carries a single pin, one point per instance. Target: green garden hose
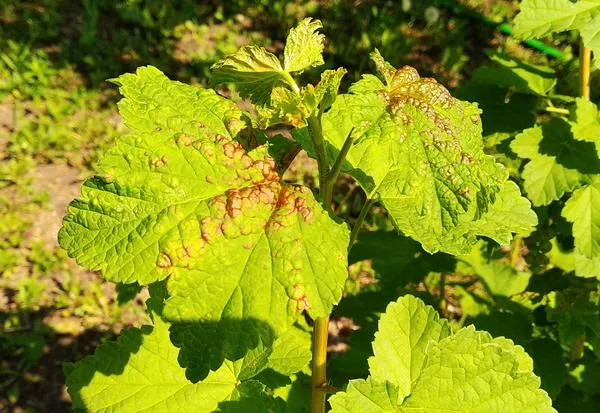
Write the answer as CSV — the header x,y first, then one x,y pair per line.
x,y
505,29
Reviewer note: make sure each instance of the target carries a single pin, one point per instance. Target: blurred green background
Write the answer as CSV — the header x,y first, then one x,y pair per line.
x,y
57,113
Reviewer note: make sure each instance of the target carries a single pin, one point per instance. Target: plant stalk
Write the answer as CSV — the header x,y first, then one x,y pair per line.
x,y
327,179
361,217
316,134
319,364
332,175
320,328
585,58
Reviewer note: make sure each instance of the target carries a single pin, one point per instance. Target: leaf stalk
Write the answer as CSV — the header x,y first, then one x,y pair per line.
x,y
332,175
316,134
359,221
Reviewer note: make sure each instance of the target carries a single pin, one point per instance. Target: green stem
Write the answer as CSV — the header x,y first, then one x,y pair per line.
x,y
290,81
332,175
554,109
361,217
327,179
316,134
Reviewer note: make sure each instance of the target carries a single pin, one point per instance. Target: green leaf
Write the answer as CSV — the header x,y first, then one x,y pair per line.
x,y
366,396
406,329
140,373
291,352
157,105
419,151
327,88
514,325
304,46
515,74
389,252
590,34
510,213
587,122
468,371
294,108
252,397
500,279
548,364
583,210
503,112
542,17
253,70
557,161
181,200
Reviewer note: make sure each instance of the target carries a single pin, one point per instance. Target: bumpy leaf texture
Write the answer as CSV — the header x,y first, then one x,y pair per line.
x,y
431,370
304,46
180,199
542,17
419,151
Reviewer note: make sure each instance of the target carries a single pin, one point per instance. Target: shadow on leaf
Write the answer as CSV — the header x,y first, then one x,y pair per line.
x,y
205,345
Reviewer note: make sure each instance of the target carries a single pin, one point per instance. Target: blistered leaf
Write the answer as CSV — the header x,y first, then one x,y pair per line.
x,y
155,104
181,200
420,152
406,329
455,377
467,372
304,46
583,210
293,108
253,70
